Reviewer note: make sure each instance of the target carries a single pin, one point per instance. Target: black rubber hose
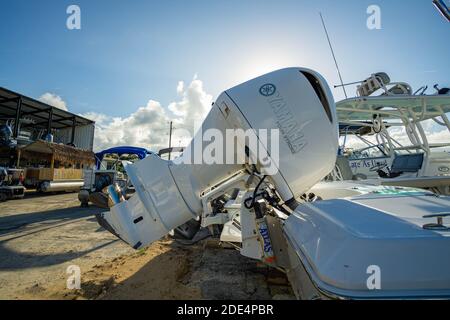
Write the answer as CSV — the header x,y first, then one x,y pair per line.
x,y
254,194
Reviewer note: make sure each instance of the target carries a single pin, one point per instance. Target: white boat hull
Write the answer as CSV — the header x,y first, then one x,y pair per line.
x,y
335,247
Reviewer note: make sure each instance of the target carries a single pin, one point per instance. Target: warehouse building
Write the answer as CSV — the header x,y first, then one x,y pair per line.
x,y
30,120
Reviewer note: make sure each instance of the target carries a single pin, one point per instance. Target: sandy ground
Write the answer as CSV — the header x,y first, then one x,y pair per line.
x,y
41,236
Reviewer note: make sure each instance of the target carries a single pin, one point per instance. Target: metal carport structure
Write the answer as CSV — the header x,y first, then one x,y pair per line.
x,y
15,106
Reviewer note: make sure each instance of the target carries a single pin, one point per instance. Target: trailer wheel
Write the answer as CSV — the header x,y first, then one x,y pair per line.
x,y
83,196
42,186
3,197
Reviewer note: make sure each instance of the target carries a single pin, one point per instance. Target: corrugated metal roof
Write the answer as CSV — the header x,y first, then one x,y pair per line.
x,y
37,111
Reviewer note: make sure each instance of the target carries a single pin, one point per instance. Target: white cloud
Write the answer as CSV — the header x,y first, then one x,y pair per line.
x,y
53,100
180,87
194,105
148,126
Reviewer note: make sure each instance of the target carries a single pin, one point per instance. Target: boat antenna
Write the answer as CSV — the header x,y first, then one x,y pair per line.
x,y
334,56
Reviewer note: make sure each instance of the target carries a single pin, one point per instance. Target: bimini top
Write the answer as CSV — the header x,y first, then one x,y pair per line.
x,y
140,152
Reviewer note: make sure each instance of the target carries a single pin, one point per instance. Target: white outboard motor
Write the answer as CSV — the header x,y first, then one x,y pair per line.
x,y
291,112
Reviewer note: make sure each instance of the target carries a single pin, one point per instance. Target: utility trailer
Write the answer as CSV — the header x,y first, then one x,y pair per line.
x,y
53,167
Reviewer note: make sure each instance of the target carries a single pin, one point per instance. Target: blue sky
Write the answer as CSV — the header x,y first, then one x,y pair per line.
x,y
128,52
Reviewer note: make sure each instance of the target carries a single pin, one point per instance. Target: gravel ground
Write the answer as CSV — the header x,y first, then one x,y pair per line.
x,y
41,236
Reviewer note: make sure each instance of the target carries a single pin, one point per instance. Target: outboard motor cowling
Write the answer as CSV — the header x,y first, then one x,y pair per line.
x,y
283,122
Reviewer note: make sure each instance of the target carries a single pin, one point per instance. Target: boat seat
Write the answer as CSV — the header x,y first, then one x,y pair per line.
x,y
400,88
407,163
410,163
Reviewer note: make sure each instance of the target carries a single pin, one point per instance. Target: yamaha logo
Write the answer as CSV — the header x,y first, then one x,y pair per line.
x,y
267,90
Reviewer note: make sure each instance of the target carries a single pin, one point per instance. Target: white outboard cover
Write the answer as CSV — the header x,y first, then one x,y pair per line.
x,y
291,112
384,244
